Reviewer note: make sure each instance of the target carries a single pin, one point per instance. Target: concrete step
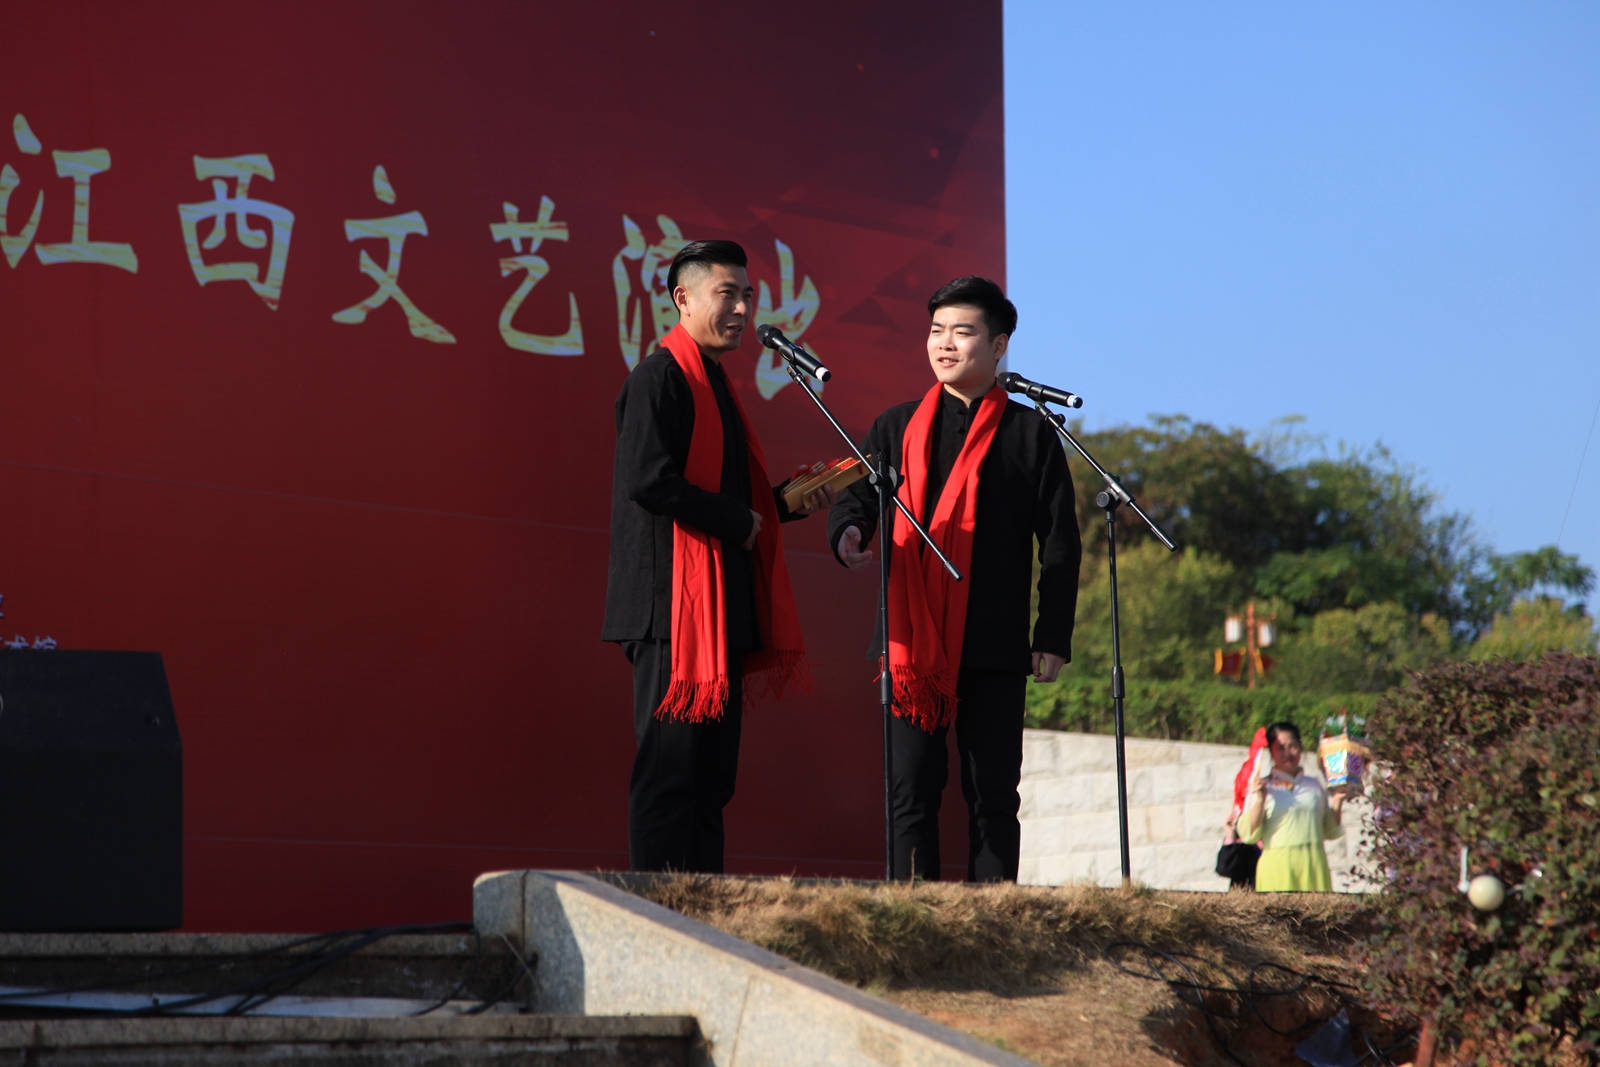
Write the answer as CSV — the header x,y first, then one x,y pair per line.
x,y
426,967
523,1041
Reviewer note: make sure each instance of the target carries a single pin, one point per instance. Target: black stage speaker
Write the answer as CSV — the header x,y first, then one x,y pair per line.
x,y
91,793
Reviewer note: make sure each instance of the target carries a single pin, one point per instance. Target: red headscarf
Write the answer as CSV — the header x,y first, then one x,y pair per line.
x,y
927,610
699,688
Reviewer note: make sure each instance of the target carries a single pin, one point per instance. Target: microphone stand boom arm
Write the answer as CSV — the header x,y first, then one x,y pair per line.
x,y
1119,496
1110,499
886,481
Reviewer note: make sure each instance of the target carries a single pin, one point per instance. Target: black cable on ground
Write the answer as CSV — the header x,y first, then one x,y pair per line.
x,y
181,972
258,992
522,969
466,976
330,948
1240,1001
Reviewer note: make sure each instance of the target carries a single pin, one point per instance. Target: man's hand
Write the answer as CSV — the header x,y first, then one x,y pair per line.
x,y
1336,798
855,557
755,531
1046,665
819,500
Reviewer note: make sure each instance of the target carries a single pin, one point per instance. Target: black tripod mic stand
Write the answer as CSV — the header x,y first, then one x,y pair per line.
x,y
884,478
1109,500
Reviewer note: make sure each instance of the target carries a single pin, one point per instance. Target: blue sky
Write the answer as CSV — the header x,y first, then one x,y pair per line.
x,y
1384,217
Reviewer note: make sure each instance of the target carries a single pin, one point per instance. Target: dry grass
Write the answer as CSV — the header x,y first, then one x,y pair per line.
x,y
1002,938
1027,968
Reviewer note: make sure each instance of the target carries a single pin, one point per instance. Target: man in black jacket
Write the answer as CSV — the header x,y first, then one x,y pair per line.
x,y
1023,494
684,771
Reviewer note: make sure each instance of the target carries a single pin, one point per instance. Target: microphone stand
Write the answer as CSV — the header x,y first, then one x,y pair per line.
x,y
1110,499
886,481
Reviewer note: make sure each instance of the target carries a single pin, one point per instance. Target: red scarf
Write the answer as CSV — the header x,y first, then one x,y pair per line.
x,y
1241,781
699,688
927,610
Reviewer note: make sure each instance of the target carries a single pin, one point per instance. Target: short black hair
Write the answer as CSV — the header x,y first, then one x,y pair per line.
x,y
727,253
1284,728
999,314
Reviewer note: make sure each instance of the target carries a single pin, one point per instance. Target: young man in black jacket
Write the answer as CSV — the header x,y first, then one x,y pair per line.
x,y
697,595
988,478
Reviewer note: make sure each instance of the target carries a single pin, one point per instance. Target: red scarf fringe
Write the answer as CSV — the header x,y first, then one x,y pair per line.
x,y
927,701
688,701
776,675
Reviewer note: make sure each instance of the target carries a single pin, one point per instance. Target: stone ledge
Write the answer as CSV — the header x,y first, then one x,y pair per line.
x,y
605,951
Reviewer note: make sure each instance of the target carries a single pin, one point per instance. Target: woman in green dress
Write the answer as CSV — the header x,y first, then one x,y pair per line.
x,y
1290,813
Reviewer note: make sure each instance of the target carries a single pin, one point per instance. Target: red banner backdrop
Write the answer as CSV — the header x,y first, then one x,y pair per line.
x,y
313,316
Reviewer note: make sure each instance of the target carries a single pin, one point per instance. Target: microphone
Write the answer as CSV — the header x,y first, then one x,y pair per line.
x,y
773,338
1013,382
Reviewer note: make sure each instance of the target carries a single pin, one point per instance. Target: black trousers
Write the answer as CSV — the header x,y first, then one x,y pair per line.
x,y
989,747
683,773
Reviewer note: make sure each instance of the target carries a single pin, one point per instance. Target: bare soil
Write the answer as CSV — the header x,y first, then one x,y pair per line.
x,y
1034,970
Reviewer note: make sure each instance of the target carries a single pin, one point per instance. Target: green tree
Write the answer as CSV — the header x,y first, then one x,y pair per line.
x,y
1502,580
1314,529
1209,489
1372,536
1535,626
1367,649
1170,612
1367,576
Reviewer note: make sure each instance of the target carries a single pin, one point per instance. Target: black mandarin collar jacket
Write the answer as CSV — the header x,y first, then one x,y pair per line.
x,y
655,422
1024,494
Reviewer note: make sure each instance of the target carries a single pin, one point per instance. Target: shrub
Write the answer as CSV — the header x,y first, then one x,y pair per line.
x,y
1186,711
1499,757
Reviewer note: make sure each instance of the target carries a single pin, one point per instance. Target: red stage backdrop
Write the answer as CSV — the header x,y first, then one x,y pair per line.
x,y
313,318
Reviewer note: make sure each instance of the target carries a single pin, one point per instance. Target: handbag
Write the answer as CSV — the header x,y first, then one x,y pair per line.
x,y
1237,863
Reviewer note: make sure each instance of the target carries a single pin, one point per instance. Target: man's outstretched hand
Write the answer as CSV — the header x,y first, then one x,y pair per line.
x,y
1046,665
855,557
